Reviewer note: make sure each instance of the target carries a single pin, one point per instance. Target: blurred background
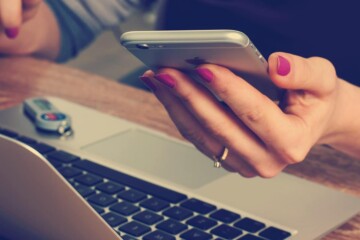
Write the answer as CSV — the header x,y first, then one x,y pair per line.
x,y
106,57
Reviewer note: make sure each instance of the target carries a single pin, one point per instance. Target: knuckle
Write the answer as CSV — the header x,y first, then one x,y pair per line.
x,y
321,61
247,174
269,168
292,155
222,91
255,114
324,65
267,172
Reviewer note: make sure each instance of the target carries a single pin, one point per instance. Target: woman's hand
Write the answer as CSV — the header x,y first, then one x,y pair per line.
x,y
28,27
262,137
13,13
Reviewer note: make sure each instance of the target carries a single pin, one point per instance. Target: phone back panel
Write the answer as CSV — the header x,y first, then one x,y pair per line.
x,y
187,52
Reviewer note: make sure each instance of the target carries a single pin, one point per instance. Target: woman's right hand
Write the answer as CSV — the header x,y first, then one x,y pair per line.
x,y
13,13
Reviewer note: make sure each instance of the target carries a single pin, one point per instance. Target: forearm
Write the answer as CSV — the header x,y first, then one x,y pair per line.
x,y
39,37
346,137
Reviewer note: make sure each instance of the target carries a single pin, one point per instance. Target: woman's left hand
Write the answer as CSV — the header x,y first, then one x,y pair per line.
x,y
262,137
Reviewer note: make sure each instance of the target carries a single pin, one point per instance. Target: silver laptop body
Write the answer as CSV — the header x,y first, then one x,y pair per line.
x,y
38,203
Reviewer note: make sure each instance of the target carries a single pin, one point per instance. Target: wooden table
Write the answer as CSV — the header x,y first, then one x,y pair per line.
x,y
21,78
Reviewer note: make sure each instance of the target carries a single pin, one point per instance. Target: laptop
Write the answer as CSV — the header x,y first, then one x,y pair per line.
x,y
114,179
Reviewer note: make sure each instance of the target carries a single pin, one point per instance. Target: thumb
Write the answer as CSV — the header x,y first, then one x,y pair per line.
x,y
316,75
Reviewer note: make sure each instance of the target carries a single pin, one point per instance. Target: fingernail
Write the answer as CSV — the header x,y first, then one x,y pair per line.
x,y
148,83
166,79
205,74
283,66
12,32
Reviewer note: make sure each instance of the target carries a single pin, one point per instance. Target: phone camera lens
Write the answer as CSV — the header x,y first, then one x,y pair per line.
x,y
142,46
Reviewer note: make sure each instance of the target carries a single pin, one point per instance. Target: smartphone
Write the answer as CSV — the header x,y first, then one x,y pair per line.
x,y
185,50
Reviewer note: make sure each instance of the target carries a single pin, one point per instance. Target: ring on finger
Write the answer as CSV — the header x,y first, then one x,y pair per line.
x,y
221,157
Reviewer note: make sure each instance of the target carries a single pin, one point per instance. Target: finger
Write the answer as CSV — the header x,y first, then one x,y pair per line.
x,y
187,125
220,123
239,165
10,16
255,110
296,73
30,4
29,14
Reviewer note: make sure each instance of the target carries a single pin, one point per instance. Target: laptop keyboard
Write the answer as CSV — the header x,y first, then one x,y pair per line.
x,y
137,209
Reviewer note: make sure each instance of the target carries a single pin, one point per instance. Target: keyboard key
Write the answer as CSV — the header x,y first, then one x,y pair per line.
x,y
226,232
62,156
171,226
69,172
158,235
134,228
155,204
9,133
26,140
110,188
56,164
127,237
125,208
251,237
135,183
148,217
132,195
198,206
201,222
273,233
195,234
178,213
84,191
102,199
42,148
99,210
114,219
225,216
88,179
249,225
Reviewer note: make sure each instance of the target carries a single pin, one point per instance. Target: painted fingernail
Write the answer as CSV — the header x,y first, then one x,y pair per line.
x,y
283,66
166,79
205,74
148,83
12,32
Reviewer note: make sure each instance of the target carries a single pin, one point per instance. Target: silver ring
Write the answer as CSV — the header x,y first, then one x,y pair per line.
x,y
221,157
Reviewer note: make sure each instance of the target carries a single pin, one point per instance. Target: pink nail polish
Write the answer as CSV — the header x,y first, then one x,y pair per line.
x,y
166,79
205,74
148,83
12,32
283,66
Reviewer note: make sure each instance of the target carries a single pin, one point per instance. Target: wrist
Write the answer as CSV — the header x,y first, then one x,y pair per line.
x,y
343,132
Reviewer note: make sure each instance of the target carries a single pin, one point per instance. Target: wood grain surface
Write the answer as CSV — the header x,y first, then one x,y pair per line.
x,y
21,78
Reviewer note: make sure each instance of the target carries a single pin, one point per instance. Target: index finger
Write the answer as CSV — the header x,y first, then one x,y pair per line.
x,y
10,16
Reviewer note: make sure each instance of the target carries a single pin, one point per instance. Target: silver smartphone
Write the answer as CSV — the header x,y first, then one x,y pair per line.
x,y
185,50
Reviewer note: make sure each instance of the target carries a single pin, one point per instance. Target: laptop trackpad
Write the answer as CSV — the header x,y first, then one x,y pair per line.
x,y
159,156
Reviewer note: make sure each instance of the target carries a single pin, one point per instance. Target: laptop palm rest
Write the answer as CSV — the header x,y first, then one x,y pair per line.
x,y
175,162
